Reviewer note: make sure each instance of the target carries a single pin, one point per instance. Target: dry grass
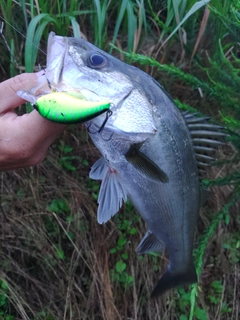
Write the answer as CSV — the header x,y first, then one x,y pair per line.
x,y
75,283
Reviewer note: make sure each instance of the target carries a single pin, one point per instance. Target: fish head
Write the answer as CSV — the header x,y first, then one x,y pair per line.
x,y
74,64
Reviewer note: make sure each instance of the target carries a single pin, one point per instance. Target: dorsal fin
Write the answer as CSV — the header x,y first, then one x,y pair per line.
x,y
206,138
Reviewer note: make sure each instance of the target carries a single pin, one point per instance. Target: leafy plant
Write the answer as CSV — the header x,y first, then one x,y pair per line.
x,y
183,304
67,160
126,230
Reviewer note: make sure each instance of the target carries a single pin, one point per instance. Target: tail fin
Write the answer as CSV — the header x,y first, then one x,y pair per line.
x,y
172,279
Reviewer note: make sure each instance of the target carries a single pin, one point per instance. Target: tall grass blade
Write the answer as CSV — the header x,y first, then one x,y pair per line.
x,y
142,22
132,25
183,7
74,13
201,30
194,8
142,14
76,27
101,20
169,19
170,13
33,38
23,5
176,10
119,21
98,25
13,62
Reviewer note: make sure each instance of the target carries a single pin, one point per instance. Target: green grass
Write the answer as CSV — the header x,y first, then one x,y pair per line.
x,y
56,261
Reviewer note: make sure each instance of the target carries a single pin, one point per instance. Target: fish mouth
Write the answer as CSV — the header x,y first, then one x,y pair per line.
x,y
58,60
77,67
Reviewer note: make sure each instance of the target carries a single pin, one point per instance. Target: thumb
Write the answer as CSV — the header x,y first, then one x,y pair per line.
x,y
9,88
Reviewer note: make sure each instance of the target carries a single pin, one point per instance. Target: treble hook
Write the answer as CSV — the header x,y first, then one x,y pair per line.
x,y
106,138
108,114
90,130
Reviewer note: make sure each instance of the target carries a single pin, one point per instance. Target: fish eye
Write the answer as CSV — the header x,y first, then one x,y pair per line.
x,y
96,61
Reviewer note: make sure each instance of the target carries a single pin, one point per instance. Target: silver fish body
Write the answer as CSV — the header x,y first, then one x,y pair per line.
x,y
147,150
170,209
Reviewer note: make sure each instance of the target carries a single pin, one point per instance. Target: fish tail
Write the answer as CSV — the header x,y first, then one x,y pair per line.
x,y
172,279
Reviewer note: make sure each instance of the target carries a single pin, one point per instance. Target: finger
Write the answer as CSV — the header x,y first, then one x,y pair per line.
x,y
38,129
8,89
25,139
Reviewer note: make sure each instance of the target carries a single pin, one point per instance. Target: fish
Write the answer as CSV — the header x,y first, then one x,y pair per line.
x,y
152,153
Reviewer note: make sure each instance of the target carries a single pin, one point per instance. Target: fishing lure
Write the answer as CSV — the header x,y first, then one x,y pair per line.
x,y
65,107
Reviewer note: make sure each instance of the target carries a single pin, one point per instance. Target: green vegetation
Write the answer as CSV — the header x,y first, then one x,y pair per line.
x,y
56,261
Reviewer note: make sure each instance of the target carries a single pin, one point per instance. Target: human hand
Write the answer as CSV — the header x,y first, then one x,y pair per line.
x,y
24,140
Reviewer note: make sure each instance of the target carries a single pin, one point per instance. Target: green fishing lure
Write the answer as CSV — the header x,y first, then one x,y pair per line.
x,y
65,107
68,108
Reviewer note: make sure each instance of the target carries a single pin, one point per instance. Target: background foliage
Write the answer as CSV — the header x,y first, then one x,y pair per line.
x,y
56,261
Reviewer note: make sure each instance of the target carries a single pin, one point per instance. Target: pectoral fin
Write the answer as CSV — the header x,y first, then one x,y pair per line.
x,y
99,169
112,193
146,166
150,243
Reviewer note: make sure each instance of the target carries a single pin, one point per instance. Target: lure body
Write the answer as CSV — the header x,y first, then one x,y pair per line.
x,y
63,107
66,107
